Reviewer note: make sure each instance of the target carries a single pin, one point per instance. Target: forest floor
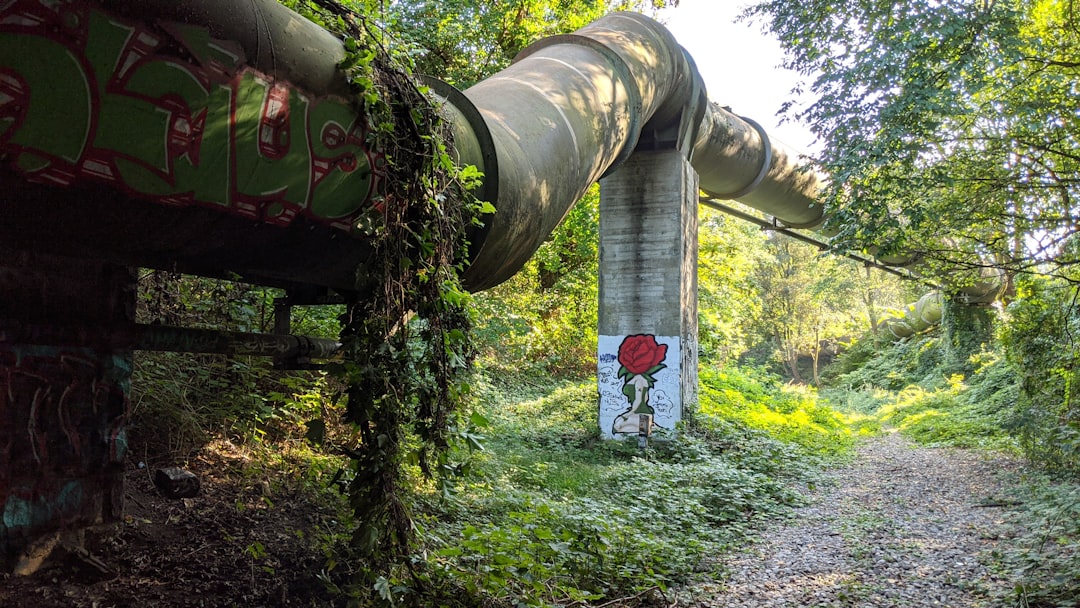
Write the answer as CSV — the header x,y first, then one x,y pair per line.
x,y
900,526
250,538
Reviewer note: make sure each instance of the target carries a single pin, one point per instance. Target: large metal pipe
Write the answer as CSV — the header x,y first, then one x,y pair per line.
x,y
567,110
215,137
736,160
571,107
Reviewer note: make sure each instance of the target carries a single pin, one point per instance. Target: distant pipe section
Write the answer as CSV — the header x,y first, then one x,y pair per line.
x,y
736,160
916,317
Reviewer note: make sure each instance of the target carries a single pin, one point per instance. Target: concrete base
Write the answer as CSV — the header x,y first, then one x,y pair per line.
x,y
647,351
62,409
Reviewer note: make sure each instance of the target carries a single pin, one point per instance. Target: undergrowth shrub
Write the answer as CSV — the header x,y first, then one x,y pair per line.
x,y
181,400
908,386
1040,342
792,414
556,516
896,364
1044,561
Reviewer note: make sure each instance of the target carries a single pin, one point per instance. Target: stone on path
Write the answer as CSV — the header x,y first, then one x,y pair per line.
x,y
174,482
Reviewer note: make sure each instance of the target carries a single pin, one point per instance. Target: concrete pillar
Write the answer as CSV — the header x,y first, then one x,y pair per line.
x,y
647,351
62,408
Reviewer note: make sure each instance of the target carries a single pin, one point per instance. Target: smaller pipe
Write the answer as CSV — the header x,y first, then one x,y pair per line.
x,y
822,245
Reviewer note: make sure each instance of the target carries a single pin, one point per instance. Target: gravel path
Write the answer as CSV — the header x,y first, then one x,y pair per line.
x,y
902,526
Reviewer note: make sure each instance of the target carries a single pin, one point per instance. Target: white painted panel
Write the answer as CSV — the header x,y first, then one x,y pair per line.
x,y
635,374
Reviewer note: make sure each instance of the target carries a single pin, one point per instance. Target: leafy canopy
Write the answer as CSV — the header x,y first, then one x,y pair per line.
x,y
465,41
949,127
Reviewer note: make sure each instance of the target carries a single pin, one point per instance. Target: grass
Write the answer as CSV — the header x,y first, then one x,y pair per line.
x,y
792,414
554,515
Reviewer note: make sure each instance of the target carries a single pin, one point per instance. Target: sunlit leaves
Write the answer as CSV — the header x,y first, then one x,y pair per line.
x,y
464,41
950,127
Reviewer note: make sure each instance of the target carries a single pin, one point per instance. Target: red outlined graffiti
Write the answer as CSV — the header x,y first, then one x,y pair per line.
x,y
165,113
62,415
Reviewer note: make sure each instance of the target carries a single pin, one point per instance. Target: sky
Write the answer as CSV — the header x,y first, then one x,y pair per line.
x,y
739,63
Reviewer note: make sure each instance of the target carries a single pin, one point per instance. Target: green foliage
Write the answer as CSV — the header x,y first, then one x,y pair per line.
x,y
405,329
791,414
946,417
464,41
1040,343
812,301
181,400
545,317
1044,562
968,330
909,385
941,126
555,516
728,297
895,364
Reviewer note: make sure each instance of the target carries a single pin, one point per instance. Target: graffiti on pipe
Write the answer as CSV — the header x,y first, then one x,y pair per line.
x,y
165,113
638,375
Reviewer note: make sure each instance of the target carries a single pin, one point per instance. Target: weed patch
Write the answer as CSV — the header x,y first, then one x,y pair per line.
x,y
790,414
553,515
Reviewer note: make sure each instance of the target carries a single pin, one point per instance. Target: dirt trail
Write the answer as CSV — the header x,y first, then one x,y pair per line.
x,y
901,526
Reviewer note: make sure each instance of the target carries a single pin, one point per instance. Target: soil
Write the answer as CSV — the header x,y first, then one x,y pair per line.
x,y
249,538
902,526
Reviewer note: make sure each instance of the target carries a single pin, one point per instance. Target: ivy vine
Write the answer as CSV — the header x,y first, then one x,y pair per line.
x,y
405,332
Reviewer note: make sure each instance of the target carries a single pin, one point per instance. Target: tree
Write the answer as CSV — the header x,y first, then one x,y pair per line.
x,y
464,41
546,314
949,128
809,299
729,302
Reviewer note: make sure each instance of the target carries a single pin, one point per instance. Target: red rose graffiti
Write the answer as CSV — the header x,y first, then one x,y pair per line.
x,y
641,357
639,354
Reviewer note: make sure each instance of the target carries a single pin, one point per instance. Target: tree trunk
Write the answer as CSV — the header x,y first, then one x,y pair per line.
x,y
869,300
791,356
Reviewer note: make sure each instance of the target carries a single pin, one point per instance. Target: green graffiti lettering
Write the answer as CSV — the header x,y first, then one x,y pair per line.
x,y
169,134
57,122
272,156
191,127
340,164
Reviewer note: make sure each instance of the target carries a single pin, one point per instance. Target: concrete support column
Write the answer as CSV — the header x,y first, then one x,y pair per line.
x,y
62,408
647,351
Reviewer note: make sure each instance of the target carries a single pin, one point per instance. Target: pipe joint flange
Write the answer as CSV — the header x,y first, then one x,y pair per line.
x,y
489,190
622,72
766,164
